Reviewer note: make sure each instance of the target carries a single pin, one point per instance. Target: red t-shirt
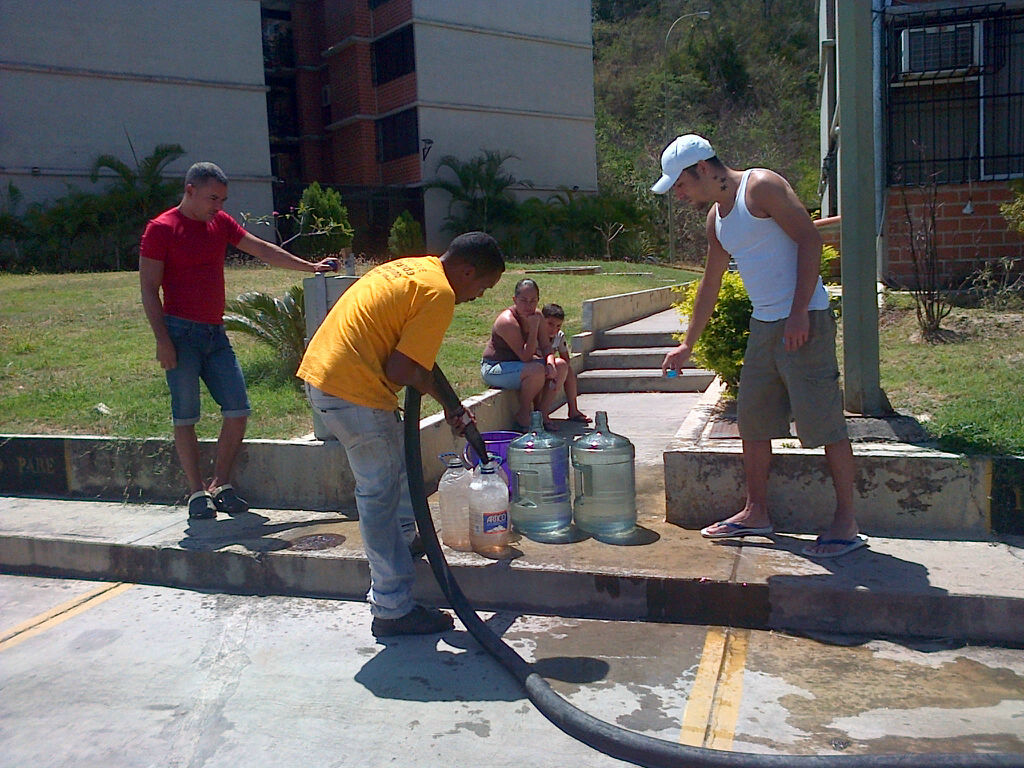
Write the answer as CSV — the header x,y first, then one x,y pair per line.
x,y
193,256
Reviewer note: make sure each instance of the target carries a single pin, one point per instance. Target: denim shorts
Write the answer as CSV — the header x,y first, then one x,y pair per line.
x,y
204,352
506,374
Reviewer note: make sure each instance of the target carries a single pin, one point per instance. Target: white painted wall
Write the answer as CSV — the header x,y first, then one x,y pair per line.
x,y
75,78
515,77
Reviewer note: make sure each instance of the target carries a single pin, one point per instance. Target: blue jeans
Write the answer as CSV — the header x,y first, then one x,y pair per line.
x,y
507,374
204,352
374,443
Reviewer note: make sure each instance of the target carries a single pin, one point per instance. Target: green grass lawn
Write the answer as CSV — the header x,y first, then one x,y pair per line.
x,y
968,391
71,342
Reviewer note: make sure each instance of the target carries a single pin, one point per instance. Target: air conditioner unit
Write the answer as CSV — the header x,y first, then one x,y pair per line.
x,y
951,50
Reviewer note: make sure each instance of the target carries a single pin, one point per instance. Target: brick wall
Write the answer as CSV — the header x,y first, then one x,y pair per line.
x,y
307,23
396,93
343,18
351,76
404,170
354,154
390,15
964,240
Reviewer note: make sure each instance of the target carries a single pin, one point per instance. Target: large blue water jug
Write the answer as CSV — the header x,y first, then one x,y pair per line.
x,y
538,464
605,502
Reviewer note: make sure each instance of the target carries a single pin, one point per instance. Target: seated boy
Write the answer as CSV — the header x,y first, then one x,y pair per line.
x,y
554,316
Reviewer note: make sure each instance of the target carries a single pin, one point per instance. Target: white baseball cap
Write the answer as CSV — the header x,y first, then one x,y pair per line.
x,y
682,153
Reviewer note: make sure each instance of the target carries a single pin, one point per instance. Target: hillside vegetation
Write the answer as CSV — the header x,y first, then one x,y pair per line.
x,y
745,77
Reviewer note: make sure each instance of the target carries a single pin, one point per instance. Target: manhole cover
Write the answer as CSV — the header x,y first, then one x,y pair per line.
x,y
317,541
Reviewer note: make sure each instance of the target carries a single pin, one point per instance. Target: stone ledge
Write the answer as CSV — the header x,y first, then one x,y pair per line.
x,y
304,473
900,489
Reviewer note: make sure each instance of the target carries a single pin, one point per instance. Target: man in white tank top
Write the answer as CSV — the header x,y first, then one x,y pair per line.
x,y
789,367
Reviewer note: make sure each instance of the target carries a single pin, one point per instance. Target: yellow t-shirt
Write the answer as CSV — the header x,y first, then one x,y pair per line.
x,y
405,305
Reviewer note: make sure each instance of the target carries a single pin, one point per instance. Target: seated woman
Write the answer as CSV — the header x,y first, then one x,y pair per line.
x,y
510,357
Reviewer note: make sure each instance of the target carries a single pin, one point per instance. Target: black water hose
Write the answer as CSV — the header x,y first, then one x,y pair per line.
x,y
610,739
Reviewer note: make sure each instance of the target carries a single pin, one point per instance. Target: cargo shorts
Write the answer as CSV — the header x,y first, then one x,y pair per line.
x,y
776,385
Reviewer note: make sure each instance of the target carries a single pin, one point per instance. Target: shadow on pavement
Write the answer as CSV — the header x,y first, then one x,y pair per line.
x,y
415,668
249,529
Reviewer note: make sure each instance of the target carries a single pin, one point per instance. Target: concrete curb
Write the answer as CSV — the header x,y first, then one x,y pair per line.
x,y
870,594
901,489
272,474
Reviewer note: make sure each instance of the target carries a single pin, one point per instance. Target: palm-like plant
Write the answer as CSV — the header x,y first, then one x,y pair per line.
x,y
279,322
142,189
480,196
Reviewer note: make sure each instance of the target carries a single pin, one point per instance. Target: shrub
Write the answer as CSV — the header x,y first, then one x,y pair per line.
x,y
406,237
278,322
829,259
1013,211
721,346
323,223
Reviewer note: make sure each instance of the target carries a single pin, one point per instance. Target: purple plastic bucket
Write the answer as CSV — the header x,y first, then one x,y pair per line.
x,y
496,442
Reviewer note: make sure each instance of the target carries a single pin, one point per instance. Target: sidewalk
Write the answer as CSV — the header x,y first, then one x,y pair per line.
x,y
965,590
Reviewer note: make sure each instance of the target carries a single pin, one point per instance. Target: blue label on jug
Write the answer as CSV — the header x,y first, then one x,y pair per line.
x,y
496,522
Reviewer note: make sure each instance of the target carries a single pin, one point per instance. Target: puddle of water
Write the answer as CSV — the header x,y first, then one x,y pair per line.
x,y
317,541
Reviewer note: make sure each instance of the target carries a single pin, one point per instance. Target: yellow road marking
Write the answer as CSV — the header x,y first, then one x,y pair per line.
x,y
730,690
702,695
713,705
62,612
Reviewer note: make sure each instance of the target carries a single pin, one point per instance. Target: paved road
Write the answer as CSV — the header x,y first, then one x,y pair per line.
x,y
127,675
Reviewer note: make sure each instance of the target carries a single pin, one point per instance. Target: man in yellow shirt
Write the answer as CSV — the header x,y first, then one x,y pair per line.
x,y
384,333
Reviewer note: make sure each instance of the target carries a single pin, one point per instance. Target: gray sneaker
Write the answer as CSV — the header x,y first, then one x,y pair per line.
x,y
419,621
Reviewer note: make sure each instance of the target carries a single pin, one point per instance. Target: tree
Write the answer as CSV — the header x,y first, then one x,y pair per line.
x,y
143,191
480,194
12,228
723,341
319,225
931,291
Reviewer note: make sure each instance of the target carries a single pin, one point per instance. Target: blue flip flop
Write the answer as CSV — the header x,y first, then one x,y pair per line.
x,y
847,546
734,531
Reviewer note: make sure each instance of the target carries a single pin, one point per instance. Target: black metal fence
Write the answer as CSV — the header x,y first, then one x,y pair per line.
x,y
955,94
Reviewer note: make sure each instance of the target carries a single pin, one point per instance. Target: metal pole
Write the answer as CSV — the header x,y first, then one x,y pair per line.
x,y
668,197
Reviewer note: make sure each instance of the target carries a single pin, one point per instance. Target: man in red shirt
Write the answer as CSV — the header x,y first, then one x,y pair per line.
x,y
182,254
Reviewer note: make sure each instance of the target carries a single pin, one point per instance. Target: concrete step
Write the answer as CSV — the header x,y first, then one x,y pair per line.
x,y
625,357
643,380
633,339
895,587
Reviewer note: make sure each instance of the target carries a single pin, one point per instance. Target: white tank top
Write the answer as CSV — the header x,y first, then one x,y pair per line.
x,y
766,258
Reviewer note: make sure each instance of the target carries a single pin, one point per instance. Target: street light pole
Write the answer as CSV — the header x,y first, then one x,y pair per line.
x,y
671,205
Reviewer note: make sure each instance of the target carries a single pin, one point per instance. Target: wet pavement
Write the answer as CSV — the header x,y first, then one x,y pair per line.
x,y
671,635
106,674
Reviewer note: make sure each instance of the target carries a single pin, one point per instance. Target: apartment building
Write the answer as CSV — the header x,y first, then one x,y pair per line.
x,y
364,95
368,95
78,80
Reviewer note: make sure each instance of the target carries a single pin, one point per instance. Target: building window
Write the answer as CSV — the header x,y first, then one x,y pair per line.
x,y
282,116
955,95
398,135
393,56
375,3
278,48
